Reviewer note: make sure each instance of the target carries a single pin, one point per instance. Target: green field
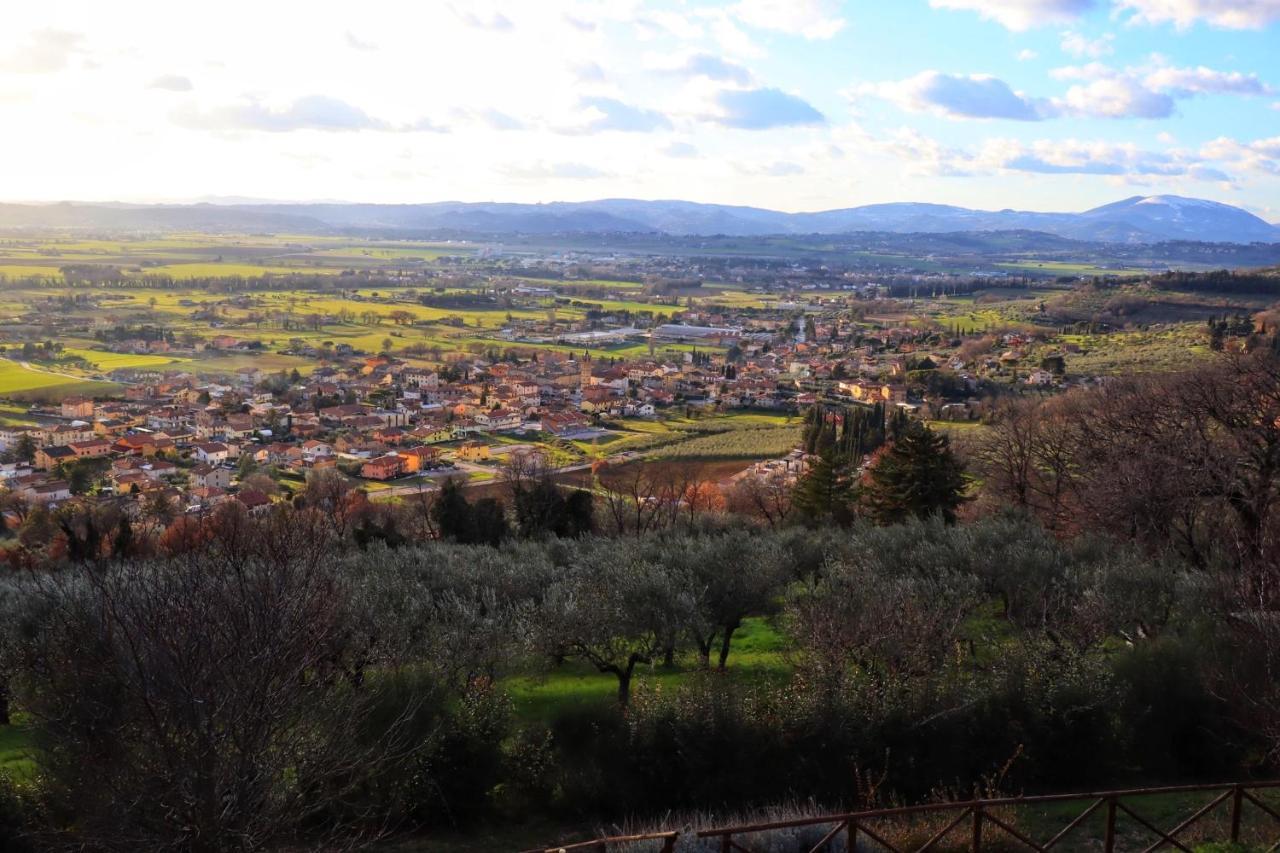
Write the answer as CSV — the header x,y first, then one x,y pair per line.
x,y
16,379
753,443
108,361
185,256
757,658
1069,268
1123,353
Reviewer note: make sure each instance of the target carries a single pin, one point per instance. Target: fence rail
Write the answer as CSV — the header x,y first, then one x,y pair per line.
x,y
984,818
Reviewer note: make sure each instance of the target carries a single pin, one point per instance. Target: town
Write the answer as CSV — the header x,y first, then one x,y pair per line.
x,y
578,382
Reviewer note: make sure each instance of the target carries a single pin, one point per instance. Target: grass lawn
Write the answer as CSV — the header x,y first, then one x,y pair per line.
x,y
756,658
15,751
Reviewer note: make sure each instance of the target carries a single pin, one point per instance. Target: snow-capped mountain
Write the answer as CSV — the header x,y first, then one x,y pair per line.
x,y
1178,218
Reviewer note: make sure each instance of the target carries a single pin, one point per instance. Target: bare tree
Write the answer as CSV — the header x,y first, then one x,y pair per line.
x,y
766,496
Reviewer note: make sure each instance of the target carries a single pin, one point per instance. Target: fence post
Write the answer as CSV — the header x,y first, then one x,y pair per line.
x,y
1237,803
851,830
726,844
977,829
1109,843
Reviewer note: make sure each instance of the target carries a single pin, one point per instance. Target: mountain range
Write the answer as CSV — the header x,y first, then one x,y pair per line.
x,y
1139,219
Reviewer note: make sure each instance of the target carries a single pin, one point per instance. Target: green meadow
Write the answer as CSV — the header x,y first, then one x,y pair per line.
x,y
17,380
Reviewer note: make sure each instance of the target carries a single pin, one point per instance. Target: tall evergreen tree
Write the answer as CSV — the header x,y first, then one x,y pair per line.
x,y
452,513
918,476
489,522
825,492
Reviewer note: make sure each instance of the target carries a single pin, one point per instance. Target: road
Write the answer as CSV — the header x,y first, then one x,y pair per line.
x,y
417,484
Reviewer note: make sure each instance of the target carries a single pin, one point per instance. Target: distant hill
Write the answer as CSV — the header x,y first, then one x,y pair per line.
x,y
194,217
1140,219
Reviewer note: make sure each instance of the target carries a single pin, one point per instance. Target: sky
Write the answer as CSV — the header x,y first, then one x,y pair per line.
x,y
786,104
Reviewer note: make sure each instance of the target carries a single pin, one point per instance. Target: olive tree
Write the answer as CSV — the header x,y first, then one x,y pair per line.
x,y
869,613
201,704
728,578
612,607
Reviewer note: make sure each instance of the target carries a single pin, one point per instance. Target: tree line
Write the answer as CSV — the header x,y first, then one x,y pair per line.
x,y
264,686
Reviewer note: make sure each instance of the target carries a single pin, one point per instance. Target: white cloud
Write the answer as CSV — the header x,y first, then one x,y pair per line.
x,y
1026,55
1227,14
1117,96
1261,156
1021,15
172,83
704,65
1184,82
925,155
1104,92
1148,92
655,23
1091,71
958,96
481,17
1121,162
427,125
492,118
43,51
679,149
507,91
1080,45
812,19
588,72
541,170
313,112
601,113
762,109
1077,157
776,169
356,43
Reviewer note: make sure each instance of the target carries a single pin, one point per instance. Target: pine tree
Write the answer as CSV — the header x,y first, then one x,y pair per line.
x,y
919,476
452,513
825,491
24,449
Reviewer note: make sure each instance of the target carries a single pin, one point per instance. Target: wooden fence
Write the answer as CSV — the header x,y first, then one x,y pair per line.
x,y
978,823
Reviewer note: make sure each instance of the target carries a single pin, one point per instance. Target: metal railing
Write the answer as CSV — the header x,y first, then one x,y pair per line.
x,y
984,818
